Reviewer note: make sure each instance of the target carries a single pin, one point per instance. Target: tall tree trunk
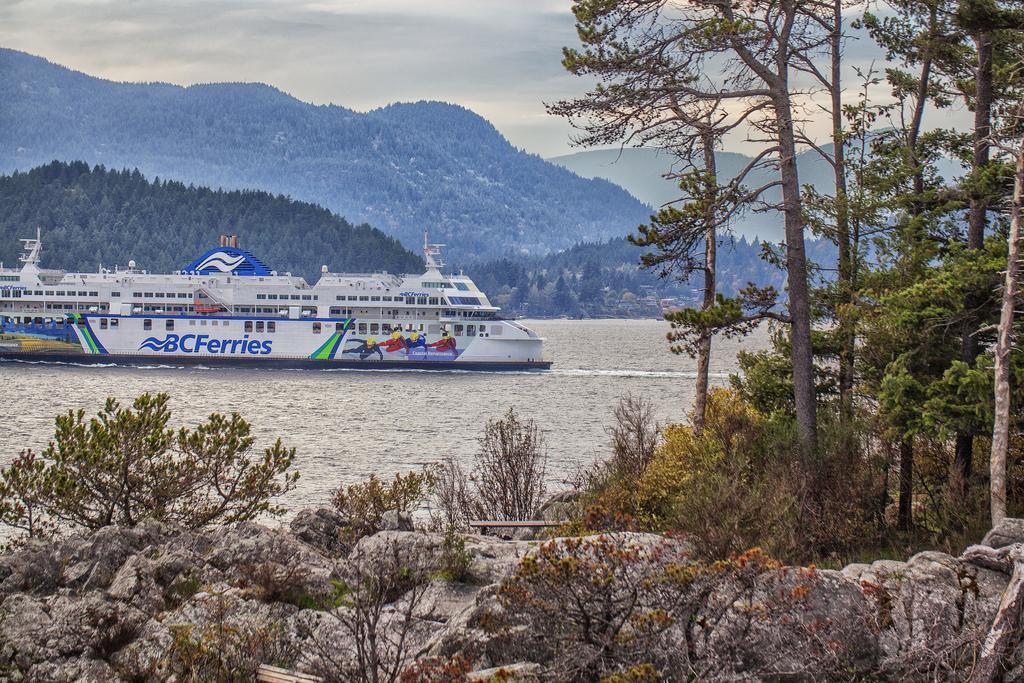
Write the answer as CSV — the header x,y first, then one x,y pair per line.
x,y
796,270
905,518
847,332
962,461
710,264
1001,426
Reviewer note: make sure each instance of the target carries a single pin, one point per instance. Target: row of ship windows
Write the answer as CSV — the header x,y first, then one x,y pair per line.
x,y
411,300
270,326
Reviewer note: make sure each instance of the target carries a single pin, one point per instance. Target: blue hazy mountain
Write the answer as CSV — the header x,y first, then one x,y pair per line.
x,y
642,172
402,168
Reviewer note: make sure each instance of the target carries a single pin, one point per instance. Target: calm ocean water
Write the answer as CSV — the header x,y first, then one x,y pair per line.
x,y
349,424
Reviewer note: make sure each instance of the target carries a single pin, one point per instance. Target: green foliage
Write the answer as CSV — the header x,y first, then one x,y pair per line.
x,y
740,483
365,503
125,465
454,561
92,215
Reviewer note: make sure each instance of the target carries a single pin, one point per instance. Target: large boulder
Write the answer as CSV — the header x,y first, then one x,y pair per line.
x,y
322,529
1008,531
795,623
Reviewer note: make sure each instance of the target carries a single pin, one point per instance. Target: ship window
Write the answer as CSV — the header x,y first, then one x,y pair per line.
x,y
147,324
183,295
261,296
364,298
271,296
271,326
306,297
410,299
458,330
470,330
462,286
94,293
316,297
103,323
192,323
115,294
374,328
434,301
339,326
387,298
248,326
202,323
421,300
39,292
169,325
137,295
148,295
259,325
295,297
317,328
227,323
374,298
362,328
113,322
214,323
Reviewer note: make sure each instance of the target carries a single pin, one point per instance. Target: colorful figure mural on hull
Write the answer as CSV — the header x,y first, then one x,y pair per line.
x,y
397,347
365,348
38,335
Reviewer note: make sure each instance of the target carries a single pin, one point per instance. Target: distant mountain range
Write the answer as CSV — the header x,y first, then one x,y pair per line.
x,y
403,168
641,171
92,216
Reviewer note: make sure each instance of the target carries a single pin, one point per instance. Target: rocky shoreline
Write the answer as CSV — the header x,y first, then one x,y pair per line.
x,y
126,603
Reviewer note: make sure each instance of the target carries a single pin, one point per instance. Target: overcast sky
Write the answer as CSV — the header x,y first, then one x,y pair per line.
x,y
500,58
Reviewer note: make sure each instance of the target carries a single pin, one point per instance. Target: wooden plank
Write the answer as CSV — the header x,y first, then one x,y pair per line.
x,y
274,674
524,523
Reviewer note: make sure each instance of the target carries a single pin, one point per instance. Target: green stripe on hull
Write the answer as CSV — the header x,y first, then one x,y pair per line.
x,y
326,351
86,334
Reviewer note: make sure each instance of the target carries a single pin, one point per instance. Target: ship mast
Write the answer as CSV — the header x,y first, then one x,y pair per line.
x,y
33,248
432,253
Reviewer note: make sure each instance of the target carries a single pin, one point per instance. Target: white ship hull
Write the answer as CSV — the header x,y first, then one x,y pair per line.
x,y
227,309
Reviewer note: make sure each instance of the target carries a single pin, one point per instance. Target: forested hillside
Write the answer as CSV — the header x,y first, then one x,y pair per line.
x,y
605,279
403,168
92,215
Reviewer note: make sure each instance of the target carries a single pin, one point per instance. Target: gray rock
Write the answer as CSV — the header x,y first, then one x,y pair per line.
x,y
322,529
395,520
560,506
1006,532
795,623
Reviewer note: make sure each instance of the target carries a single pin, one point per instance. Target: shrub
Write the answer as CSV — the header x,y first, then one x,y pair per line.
x,y
609,608
451,495
376,597
365,503
741,483
125,465
454,561
608,486
598,607
509,469
225,651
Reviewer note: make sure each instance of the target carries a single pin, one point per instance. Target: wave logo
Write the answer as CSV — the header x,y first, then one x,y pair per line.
x,y
202,343
154,344
222,261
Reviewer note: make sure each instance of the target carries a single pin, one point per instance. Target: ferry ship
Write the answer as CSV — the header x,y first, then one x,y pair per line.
x,y
228,308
